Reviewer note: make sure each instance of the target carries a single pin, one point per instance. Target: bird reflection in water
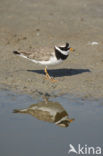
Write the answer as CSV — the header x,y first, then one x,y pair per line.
x,y
48,111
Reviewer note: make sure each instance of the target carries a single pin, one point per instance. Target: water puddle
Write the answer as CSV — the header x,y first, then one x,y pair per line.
x,y
48,126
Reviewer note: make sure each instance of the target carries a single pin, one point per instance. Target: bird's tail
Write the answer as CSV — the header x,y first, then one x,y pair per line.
x,y
20,111
16,52
25,55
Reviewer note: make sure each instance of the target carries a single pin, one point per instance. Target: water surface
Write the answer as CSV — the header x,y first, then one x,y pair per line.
x,y
27,134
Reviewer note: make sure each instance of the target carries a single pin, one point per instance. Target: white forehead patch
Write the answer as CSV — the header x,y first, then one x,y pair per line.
x,y
62,51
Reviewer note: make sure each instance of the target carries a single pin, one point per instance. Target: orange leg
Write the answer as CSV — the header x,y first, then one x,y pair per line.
x,y
48,76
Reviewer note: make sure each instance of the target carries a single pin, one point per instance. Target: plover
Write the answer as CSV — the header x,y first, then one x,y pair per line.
x,y
48,111
58,55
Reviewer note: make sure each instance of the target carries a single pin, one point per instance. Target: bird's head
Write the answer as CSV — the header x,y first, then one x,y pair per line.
x,y
62,52
65,122
66,47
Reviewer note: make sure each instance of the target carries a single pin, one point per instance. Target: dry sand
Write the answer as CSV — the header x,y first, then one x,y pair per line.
x,y
44,23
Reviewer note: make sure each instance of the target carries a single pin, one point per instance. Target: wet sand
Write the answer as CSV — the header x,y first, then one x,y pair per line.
x,y
32,24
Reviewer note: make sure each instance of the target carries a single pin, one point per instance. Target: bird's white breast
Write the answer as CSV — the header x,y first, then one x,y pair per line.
x,y
52,61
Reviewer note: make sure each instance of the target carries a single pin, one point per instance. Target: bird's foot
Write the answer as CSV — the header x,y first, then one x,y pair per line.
x,y
53,80
48,77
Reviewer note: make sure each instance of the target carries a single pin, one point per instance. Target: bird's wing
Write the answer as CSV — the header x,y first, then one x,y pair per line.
x,y
36,54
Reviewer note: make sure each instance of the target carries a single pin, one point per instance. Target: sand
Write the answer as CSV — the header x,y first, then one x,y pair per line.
x,y
38,24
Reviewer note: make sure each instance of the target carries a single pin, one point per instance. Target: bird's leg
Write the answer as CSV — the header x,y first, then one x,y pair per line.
x,y
48,76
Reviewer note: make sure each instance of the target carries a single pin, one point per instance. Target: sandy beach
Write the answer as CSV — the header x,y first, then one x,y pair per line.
x,y
25,25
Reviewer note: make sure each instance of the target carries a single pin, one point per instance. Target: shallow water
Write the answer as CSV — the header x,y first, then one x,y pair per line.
x,y
24,134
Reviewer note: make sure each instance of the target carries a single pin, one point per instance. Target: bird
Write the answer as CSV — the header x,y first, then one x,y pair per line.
x,y
46,58
48,111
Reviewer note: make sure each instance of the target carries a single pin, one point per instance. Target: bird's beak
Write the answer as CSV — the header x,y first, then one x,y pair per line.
x,y
71,49
71,120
